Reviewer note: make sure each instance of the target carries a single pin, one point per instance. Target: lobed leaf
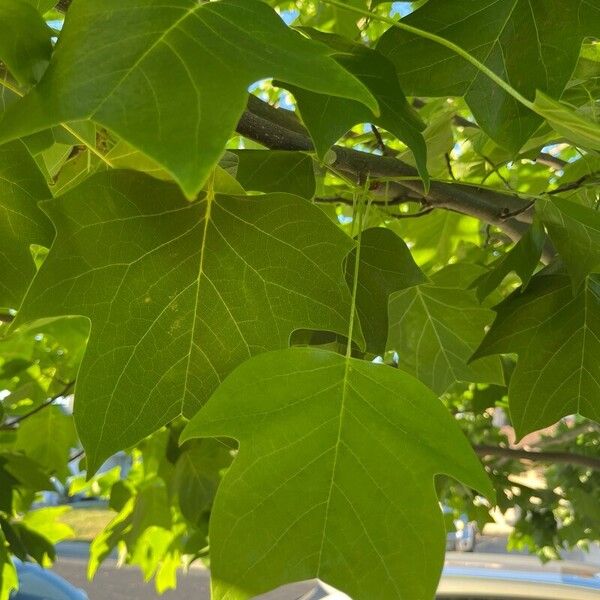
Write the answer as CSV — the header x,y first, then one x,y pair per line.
x,y
557,338
435,329
172,80
179,293
517,39
22,223
319,486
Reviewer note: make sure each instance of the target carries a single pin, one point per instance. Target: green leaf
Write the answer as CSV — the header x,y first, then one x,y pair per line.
x,y
567,122
523,258
435,330
276,171
319,486
575,231
516,39
22,223
8,573
47,437
25,45
327,119
42,6
183,292
557,338
26,471
386,266
197,475
172,79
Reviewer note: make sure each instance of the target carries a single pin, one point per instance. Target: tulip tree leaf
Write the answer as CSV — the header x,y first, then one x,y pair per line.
x,y
25,45
435,330
319,485
47,437
276,171
22,223
181,69
386,266
523,258
517,39
197,475
565,121
183,291
327,119
557,338
575,231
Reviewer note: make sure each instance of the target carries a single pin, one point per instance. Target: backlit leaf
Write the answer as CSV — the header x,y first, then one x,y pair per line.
x,y
435,330
184,293
517,39
386,266
557,338
25,45
22,223
327,446
181,69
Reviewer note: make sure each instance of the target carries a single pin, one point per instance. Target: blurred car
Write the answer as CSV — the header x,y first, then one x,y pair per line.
x,y
36,583
464,536
503,577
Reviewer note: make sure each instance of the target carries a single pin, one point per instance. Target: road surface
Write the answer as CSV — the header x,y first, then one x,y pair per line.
x,y
126,583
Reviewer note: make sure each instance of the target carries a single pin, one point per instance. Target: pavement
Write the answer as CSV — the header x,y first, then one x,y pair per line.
x,y
126,583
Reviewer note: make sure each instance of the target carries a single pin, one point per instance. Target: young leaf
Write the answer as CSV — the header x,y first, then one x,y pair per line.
x,y
435,330
22,223
557,338
327,119
276,171
8,573
567,122
25,45
517,39
523,258
327,445
386,266
172,79
575,231
183,292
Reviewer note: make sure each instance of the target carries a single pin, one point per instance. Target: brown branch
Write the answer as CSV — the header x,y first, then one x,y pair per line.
x,y
37,409
280,129
63,5
570,458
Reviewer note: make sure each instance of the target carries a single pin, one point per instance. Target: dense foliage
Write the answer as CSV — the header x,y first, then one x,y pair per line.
x,y
296,261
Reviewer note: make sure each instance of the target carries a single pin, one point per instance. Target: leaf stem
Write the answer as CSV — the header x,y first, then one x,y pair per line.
x,y
443,42
360,208
90,147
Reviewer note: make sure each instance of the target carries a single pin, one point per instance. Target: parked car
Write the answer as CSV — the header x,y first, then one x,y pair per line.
x,y
503,577
464,536
36,583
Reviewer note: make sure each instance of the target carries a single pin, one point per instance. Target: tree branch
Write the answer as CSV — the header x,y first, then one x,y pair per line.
x,y
37,409
281,130
570,458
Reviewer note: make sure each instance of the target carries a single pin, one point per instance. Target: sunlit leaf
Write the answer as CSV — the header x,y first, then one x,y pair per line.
x,y
327,445
181,69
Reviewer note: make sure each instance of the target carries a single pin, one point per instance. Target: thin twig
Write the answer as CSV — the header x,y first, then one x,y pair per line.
x,y
513,213
449,165
37,409
574,185
380,142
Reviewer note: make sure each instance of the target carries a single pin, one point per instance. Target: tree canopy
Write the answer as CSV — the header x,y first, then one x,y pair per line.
x,y
313,267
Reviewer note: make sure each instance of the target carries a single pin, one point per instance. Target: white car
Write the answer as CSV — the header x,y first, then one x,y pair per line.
x,y
503,577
